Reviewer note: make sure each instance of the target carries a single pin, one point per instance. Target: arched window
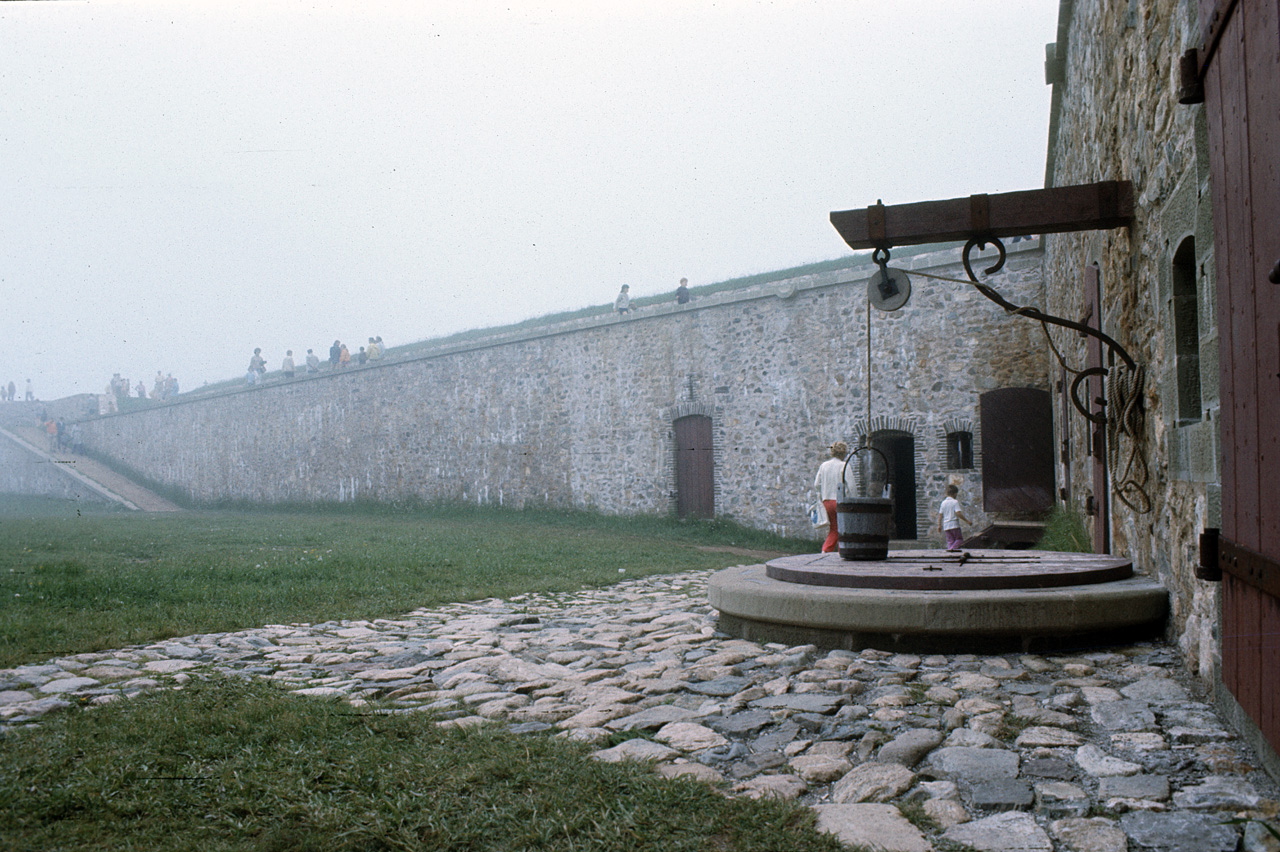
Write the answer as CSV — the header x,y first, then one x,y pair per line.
x,y
1186,331
960,450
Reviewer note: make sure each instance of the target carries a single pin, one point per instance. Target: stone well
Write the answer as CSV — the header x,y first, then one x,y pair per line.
x,y
934,601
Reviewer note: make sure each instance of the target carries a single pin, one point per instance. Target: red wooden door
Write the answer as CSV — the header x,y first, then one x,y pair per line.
x,y
1017,450
695,468
1242,100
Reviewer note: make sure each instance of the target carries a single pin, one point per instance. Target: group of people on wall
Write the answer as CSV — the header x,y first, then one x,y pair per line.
x,y
832,488
163,387
622,304
340,358
9,392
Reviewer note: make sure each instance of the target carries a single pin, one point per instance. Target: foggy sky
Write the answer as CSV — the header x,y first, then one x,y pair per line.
x,y
183,181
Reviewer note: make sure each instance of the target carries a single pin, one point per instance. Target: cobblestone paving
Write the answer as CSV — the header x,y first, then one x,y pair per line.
x,y
1099,751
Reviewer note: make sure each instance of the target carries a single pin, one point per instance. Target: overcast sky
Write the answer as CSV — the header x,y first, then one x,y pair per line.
x,y
182,181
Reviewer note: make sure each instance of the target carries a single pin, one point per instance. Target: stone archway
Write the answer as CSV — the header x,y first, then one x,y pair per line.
x,y
895,437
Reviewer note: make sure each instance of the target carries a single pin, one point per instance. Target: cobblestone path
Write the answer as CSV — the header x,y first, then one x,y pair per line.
x,y
1098,751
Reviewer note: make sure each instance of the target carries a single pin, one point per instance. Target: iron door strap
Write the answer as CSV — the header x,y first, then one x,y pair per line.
x,y
1250,567
1194,64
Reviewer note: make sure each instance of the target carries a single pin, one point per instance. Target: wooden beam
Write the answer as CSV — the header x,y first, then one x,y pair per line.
x,y
1059,210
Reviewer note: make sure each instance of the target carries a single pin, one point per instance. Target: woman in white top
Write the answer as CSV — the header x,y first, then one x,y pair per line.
x,y
827,484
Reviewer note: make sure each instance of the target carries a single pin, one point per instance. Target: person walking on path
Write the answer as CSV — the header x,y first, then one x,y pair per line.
x,y
949,518
622,304
827,484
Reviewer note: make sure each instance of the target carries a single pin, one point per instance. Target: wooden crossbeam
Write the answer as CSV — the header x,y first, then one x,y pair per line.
x,y
1088,207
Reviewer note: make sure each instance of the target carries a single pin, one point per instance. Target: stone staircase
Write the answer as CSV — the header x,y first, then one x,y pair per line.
x,y
102,479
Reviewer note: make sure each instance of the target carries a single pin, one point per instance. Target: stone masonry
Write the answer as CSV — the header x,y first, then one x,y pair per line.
x,y
581,413
1116,117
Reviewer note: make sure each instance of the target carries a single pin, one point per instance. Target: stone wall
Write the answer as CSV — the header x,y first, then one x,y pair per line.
x,y
580,414
1116,117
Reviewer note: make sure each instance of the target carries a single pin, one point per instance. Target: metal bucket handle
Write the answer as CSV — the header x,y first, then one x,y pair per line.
x,y
844,470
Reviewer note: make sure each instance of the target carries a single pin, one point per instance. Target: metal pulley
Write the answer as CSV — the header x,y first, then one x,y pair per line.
x,y
889,289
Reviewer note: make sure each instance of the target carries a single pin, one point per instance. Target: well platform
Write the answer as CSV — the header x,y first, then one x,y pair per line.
x,y
935,601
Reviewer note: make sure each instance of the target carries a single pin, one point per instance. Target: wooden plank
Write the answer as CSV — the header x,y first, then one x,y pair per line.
x,y
1231,635
1240,404
1250,697
1088,207
1218,167
1269,671
1261,25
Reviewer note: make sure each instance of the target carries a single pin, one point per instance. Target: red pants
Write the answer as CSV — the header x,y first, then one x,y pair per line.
x,y
833,533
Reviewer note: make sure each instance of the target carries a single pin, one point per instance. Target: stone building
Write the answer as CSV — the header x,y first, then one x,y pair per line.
x,y
723,406
1125,108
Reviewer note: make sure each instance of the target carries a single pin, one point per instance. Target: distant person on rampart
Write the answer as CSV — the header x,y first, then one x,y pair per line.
x,y
287,366
142,389
13,391
362,357
622,304
313,362
682,292
31,394
157,386
344,357
827,484
170,386
374,350
335,354
382,347
257,367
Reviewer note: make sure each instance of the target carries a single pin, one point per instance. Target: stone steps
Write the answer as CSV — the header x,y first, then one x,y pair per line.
x,y
113,485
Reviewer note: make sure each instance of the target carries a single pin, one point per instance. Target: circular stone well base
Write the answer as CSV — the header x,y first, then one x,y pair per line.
x,y
758,607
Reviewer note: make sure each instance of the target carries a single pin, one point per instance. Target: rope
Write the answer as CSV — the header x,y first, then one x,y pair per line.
x,y
1128,420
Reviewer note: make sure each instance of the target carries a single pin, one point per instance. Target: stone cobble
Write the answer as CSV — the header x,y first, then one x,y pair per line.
x,y
1088,752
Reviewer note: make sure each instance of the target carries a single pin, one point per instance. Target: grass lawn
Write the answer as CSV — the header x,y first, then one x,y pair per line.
x,y
235,765
230,765
72,580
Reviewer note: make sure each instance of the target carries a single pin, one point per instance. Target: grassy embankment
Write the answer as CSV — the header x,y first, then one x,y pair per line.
x,y
230,765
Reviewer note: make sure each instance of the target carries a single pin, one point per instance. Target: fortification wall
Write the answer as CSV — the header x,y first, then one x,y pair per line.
x,y
581,414
1117,118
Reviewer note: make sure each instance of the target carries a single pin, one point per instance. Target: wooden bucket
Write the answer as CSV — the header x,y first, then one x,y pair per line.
x,y
865,525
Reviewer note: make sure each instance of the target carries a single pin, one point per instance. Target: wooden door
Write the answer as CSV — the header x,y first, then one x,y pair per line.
x,y
899,449
695,468
1242,102
1017,450
1100,508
